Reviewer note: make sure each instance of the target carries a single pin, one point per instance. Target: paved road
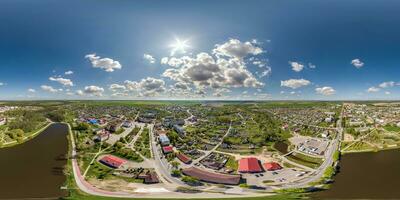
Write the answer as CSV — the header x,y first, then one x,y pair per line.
x,y
161,165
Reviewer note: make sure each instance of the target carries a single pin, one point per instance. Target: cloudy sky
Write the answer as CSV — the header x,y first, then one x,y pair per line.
x,y
226,49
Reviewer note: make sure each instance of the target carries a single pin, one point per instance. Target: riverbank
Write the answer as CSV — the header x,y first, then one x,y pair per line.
x,y
28,137
370,150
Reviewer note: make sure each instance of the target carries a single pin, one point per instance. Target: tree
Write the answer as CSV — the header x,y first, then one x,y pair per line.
x,y
82,126
336,156
176,173
190,180
175,164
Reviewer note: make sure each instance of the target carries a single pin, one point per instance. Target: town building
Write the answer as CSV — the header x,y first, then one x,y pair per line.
x,y
127,124
249,165
272,166
92,121
212,177
184,158
179,129
149,178
3,121
164,140
168,149
112,161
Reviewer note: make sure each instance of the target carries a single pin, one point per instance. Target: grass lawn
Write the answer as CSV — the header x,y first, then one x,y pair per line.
x,y
392,128
143,143
360,146
305,160
232,163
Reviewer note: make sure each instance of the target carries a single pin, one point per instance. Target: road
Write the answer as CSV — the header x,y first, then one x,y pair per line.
x,y
161,165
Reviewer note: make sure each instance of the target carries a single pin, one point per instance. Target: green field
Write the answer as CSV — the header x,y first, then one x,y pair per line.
x,y
392,128
305,160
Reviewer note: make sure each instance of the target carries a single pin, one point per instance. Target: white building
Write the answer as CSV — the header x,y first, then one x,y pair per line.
x,y
3,121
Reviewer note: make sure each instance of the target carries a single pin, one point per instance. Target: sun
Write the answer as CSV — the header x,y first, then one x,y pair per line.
x,y
179,46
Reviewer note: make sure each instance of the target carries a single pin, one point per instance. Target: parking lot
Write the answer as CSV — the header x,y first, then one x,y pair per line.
x,y
277,177
309,145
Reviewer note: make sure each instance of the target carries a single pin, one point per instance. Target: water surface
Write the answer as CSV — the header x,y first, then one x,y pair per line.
x,y
34,169
366,176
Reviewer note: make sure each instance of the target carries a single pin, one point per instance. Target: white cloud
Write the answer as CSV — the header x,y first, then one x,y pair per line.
x,y
149,58
234,48
387,93
373,89
260,63
297,67
181,86
295,83
48,89
115,87
79,92
146,87
1,83
225,68
174,62
119,94
63,81
107,64
267,71
312,66
220,92
357,63
326,91
69,72
31,90
164,60
94,90
387,84
206,71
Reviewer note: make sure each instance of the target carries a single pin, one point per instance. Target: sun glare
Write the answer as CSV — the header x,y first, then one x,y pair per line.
x,y
179,46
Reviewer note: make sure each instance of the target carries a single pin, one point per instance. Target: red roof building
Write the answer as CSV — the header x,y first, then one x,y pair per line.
x,y
212,177
249,165
272,166
168,149
184,158
112,161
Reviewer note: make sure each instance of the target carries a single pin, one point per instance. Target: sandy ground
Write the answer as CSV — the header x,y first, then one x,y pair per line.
x,y
119,185
348,137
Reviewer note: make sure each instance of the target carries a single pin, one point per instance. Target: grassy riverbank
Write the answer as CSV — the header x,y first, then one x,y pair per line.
x,y
28,137
370,150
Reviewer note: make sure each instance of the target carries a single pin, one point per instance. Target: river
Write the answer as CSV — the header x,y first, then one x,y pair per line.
x,y
34,169
366,176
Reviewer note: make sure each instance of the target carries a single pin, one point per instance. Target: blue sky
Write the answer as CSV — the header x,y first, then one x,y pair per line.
x,y
226,50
